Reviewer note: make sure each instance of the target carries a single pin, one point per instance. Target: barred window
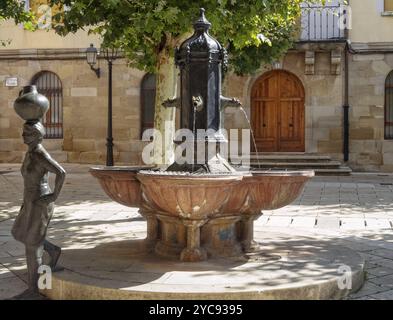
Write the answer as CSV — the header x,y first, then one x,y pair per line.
x,y
148,97
49,84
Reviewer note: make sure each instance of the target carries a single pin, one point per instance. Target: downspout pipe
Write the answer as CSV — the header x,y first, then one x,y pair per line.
x,y
346,98
346,105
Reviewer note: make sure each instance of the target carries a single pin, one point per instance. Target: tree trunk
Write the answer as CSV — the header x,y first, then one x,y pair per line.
x,y
164,121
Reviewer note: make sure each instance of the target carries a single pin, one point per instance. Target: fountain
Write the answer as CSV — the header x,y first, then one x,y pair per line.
x,y
199,210
200,218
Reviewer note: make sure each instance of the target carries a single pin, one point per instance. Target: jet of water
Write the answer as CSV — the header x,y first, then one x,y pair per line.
x,y
252,135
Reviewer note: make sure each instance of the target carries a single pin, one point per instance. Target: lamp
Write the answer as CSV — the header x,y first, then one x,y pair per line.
x,y
110,54
91,57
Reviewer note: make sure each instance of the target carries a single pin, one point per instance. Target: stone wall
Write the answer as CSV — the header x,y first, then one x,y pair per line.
x,y
84,111
85,108
323,104
369,150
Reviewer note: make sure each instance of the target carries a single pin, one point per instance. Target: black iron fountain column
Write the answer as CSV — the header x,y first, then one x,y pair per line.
x,y
201,59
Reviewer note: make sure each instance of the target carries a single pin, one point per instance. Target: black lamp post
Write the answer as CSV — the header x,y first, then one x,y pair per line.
x,y
109,54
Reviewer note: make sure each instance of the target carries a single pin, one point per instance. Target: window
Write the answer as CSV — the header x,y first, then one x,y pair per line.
x,y
389,107
148,97
49,84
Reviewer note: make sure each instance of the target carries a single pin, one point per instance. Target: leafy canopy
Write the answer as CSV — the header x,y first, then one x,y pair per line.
x,y
253,31
15,9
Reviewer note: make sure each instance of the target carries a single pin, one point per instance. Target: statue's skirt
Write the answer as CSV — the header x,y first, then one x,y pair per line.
x,y
32,222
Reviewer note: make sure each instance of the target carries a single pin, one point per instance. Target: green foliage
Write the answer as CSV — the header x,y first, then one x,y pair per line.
x,y
14,9
253,31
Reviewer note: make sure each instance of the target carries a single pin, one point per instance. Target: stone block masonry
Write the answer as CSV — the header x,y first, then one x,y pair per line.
x,y
84,99
85,108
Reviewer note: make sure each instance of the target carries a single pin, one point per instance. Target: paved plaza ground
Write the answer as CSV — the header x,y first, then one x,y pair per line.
x,y
354,211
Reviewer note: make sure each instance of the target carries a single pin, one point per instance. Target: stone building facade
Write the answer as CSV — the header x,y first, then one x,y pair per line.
x,y
84,109
322,104
318,61
294,105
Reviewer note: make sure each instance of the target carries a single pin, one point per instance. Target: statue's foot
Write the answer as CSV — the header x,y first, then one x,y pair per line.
x,y
54,254
29,295
57,269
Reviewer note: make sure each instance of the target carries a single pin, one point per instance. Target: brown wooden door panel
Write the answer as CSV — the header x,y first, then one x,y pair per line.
x,y
268,124
290,121
277,112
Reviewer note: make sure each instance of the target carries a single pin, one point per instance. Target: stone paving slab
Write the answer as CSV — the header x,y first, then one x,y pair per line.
x,y
387,295
10,287
327,223
380,271
368,290
385,282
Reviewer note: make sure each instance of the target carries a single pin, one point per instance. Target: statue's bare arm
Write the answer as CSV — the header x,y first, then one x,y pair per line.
x,y
52,166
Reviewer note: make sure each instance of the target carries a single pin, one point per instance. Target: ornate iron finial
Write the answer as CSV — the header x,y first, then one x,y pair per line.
x,y
202,24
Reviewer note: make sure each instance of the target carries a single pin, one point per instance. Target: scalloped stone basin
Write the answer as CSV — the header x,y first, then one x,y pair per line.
x,y
194,216
120,183
188,196
271,190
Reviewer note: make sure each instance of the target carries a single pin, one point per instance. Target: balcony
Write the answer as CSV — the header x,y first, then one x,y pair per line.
x,y
321,23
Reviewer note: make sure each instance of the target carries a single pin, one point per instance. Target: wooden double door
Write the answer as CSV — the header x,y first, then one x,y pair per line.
x,y
277,112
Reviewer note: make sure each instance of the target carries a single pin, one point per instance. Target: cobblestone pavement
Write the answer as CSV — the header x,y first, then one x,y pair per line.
x,y
355,211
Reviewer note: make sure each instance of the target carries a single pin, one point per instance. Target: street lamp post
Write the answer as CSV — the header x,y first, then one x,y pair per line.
x,y
109,54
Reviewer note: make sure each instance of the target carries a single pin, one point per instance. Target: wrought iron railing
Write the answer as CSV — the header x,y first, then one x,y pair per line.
x,y
322,23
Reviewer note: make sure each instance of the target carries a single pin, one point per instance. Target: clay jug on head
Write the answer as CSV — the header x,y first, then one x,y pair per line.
x,y
31,105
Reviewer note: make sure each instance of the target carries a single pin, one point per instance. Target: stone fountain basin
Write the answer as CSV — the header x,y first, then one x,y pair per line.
x,y
188,196
199,196
120,183
271,190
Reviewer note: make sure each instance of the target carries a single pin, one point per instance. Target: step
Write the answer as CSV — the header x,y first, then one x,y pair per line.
x,y
284,158
308,165
342,171
285,153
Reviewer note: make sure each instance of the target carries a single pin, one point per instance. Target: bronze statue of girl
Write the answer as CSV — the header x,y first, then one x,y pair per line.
x,y
31,224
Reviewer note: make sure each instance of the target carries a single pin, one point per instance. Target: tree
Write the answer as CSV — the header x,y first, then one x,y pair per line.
x,y
253,31
14,9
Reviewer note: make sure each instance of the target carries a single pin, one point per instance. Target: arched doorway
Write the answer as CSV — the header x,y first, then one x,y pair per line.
x,y
277,112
